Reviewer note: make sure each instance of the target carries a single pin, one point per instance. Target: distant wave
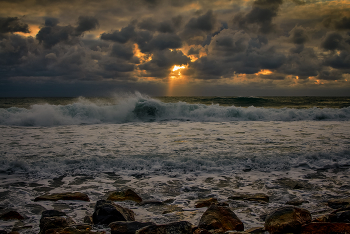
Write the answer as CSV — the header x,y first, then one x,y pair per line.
x,y
135,108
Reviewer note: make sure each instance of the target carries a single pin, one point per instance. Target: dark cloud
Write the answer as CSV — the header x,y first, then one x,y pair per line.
x,y
339,61
343,23
298,35
86,23
333,41
262,14
330,75
13,49
12,24
120,67
52,35
337,21
162,61
122,51
299,2
204,22
122,36
51,22
163,27
303,64
193,51
165,41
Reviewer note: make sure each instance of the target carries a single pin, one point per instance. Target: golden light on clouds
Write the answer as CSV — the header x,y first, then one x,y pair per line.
x,y
264,72
34,29
175,77
143,57
176,67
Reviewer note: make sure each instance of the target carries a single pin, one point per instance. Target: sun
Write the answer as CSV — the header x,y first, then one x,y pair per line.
x,y
176,67
176,71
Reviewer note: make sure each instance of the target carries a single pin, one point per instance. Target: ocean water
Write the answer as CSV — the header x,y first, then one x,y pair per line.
x,y
174,149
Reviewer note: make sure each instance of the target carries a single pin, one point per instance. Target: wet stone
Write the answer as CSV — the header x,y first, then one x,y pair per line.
x,y
182,227
124,195
258,197
127,227
63,196
322,228
288,219
294,184
220,219
11,215
205,202
107,212
338,203
296,202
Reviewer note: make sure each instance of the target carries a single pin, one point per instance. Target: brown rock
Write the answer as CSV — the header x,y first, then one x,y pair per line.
x,y
56,223
182,227
127,227
11,215
296,202
107,212
88,219
201,231
63,196
339,203
326,218
71,230
259,197
256,230
124,195
220,217
287,219
323,228
205,202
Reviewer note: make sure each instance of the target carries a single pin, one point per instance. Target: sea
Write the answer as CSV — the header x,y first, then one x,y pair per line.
x,y
174,150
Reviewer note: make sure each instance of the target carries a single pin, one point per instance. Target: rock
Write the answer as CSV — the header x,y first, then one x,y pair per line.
x,y
294,184
296,202
343,216
201,231
55,223
107,212
172,208
338,203
259,197
88,219
11,215
322,228
287,219
63,196
220,217
71,230
182,227
151,202
205,202
124,195
127,227
256,230
326,218
52,213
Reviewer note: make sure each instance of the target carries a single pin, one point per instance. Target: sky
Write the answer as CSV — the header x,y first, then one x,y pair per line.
x,y
174,47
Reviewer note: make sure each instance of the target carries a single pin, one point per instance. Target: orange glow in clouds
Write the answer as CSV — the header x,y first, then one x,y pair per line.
x,y
264,72
175,77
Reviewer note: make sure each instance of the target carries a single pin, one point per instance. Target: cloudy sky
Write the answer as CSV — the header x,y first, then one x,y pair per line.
x,y
174,47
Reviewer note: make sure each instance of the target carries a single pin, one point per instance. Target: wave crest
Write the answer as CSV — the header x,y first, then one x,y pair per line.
x,y
138,107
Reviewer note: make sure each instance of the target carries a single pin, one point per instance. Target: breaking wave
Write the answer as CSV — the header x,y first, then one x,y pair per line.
x,y
137,107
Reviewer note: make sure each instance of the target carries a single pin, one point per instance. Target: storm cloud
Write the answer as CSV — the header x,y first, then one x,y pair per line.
x,y
271,43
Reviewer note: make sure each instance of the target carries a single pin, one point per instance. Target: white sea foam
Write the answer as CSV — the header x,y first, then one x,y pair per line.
x,y
139,108
180,160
